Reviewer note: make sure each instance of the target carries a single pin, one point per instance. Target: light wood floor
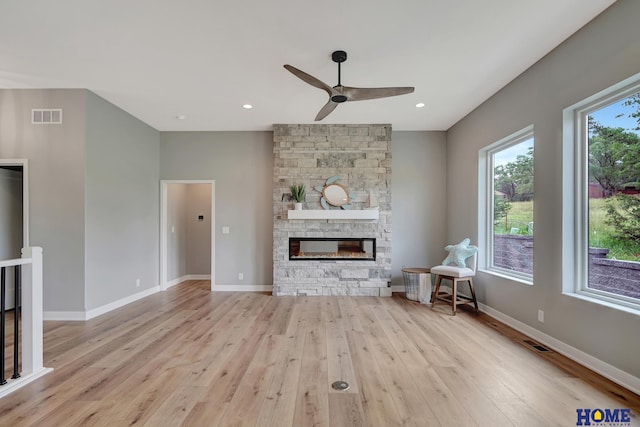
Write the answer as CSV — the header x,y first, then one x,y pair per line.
x,y
191,357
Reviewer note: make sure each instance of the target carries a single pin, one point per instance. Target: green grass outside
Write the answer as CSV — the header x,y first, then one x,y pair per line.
x,y
519,216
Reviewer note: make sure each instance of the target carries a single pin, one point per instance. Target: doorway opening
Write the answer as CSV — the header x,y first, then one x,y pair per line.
x,y
187,231
14,215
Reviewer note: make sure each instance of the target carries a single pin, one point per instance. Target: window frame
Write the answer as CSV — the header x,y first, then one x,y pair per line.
x,y
486,204
575,177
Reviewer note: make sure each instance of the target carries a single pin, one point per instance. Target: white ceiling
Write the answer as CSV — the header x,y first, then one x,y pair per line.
x,y
204,59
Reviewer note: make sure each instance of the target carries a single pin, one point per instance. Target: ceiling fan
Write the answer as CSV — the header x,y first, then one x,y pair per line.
x,y
339,94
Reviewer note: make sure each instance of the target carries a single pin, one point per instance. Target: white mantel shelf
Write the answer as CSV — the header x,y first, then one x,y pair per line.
x,y
365,214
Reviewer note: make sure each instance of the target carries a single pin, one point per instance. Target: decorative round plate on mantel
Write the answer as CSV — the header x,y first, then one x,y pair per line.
x,y
334,194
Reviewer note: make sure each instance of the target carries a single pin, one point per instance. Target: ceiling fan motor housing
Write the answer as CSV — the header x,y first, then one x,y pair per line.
x,y
339,56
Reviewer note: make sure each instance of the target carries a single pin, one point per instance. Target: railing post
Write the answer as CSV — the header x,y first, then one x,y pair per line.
x,y
32,331
16,318
3,290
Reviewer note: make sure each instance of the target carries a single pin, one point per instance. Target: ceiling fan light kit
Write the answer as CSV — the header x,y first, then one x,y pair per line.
x,y
338,93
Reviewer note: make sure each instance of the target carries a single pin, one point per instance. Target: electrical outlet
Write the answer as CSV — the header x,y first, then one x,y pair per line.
x,y
137,283
540,316
240,276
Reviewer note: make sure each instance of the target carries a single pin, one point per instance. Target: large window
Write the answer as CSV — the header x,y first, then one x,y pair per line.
x,y
602,151
506,224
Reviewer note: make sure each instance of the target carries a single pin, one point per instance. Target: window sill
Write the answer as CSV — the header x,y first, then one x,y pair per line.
x,y
517,279
586,296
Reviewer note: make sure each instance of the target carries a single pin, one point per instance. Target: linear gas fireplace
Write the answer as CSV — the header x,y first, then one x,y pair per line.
x,y
333,249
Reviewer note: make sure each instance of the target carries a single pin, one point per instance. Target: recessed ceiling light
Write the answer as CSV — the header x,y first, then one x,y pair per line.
x,y
181,117
420,105
247,106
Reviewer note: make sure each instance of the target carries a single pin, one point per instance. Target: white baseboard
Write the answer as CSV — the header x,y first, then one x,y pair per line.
x,y
64,315
14,384
188,277
242,288
616,375
198,277
98,311
95,312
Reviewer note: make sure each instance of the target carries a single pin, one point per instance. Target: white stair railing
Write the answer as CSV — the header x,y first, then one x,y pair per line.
x,y
31,331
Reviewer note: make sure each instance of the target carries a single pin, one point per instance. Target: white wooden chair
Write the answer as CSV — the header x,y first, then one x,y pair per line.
x,y
455,274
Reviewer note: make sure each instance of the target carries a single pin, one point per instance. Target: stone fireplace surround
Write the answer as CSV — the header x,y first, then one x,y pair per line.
x,y
309,154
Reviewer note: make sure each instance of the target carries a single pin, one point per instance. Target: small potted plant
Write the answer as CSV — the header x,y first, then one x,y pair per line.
x,y
297,191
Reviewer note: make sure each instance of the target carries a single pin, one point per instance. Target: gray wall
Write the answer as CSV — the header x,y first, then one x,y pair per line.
x,y
122,203
198,232
56,156
241,163
418,200
93,188
176,231
603,53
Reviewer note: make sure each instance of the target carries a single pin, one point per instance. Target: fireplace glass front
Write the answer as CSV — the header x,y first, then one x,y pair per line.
x,y
333,249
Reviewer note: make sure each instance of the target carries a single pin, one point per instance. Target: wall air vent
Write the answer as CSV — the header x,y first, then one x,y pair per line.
x,y
536,345
46,116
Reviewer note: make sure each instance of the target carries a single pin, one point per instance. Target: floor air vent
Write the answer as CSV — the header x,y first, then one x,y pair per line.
x,y
536,345
46,116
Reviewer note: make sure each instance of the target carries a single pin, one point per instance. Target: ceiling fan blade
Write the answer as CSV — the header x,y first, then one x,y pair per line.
x,y
362,93
324,111
308,78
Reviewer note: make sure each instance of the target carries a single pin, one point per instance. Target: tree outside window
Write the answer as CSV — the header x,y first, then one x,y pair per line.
x,y
613,142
